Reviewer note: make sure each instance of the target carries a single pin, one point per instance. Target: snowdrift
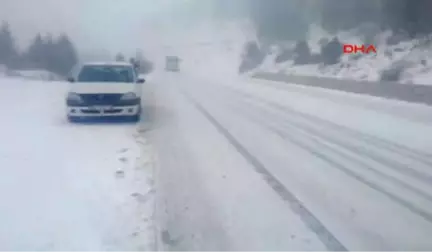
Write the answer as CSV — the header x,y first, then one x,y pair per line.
x,y
70,187
34,74
37,75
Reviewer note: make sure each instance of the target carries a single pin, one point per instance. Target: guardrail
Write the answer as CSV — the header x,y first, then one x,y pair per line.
x,y
392,90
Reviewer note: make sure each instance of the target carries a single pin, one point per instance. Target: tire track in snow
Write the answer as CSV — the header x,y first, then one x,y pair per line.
x,y
419,156
287,126
323,148
425,158
369,140
347,100
310,220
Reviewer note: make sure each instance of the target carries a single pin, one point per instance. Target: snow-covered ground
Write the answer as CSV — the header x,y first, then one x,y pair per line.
x,y
66,186
238,164
258,165
35,74
414,55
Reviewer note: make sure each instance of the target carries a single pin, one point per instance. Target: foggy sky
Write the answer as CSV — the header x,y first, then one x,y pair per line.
x,y
93,24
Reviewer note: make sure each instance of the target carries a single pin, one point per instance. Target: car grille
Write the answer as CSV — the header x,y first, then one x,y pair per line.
x,y
90,111
101,99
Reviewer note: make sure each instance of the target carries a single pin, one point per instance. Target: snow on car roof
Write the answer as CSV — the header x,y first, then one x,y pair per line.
x,y
107,63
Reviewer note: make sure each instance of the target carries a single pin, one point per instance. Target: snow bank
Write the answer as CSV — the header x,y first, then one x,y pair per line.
x,y
36,75
69,186
33,74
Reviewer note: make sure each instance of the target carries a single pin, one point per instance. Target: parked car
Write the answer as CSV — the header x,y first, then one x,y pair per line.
x,y
106,89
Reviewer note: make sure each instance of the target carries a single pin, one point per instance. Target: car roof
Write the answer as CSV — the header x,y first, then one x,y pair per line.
x,y
107,63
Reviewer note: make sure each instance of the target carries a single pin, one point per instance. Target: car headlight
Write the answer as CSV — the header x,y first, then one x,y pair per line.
x,y
74,97
128,96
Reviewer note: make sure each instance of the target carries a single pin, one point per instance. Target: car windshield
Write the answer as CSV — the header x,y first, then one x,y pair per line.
x,y
106,74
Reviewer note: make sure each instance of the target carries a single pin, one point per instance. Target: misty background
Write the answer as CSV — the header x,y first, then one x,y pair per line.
x,y
55,34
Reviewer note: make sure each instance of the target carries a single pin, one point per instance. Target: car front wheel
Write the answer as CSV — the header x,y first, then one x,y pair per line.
x,y
73,119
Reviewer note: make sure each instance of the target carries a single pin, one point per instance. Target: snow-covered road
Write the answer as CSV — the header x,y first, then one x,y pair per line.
x,y
258,165
239,164
70,186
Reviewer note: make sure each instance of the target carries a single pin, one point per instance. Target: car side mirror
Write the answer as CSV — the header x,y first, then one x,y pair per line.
x,y
141,80
71,79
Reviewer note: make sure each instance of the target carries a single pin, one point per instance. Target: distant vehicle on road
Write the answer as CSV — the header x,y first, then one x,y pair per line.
x,y
172,63
105,89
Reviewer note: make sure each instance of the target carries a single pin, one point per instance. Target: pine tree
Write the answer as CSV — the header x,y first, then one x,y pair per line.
x,y
49,53
55,55
144,65
8,49
66,55
120,57
35,52
279,19
411,16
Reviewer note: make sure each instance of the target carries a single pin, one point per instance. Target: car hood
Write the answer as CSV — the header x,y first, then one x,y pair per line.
x,y
102,87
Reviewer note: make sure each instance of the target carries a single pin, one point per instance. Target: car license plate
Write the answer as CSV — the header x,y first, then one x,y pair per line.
x,y
101,108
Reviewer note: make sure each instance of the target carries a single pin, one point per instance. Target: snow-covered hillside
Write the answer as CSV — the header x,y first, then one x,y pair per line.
x,y
414,56
216,48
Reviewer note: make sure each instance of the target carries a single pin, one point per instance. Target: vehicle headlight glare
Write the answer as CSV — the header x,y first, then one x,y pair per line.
x,y
74,97
129,96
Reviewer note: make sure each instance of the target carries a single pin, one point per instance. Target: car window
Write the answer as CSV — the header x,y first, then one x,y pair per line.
x,y
107,74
